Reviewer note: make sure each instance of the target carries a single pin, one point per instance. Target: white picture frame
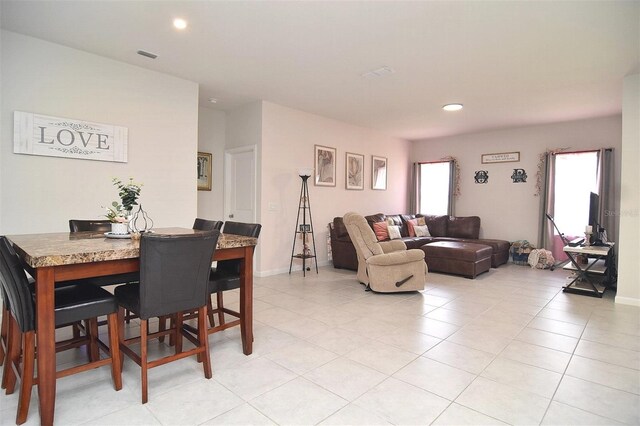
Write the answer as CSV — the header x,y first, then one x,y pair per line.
x,y
378,173
324,165
354,171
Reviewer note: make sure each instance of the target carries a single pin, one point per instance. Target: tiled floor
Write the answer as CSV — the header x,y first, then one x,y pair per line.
x,y
506,348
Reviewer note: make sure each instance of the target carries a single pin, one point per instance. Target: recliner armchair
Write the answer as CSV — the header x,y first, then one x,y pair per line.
x,y
385,266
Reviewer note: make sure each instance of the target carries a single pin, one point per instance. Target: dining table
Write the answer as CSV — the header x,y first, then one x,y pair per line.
x,y
51,258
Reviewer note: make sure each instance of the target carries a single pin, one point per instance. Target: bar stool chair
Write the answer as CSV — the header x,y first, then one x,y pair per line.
x,y
207,225
174,272
4,328
201,225
73,303
226,276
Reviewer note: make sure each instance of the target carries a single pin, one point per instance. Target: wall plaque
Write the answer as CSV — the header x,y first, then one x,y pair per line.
x,y
37,134
500,157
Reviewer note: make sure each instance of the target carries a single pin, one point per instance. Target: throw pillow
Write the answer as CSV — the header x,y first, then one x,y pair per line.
x,y
422,231
394,232
380,229
411,223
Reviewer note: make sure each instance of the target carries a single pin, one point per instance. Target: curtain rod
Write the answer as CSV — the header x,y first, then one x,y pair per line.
x,y
583,151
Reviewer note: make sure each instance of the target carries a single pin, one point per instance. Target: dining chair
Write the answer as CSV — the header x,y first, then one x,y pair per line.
x,y
207,225
73,303
226,276
174,273
77,225
80,225
4,328
201,225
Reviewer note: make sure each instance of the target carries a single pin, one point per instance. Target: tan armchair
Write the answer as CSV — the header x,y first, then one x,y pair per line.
x,y
385,266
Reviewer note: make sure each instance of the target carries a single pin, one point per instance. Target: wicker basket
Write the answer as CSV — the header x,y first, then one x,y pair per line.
x,y
520,251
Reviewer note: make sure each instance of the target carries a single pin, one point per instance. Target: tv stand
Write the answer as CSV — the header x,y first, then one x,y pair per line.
x,y
594,277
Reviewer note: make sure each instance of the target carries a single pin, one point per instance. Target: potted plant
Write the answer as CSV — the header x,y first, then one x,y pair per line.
x,y
119,213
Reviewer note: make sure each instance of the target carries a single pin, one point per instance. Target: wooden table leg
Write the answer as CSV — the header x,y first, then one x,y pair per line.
x,y
45,332
246,300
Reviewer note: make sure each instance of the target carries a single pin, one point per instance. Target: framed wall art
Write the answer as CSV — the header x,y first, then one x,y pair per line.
x,y
204,171
500,157
354,171
378,172
325,165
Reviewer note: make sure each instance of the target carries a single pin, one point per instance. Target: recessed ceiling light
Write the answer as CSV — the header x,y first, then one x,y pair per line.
x,y
180,23
213,100
452,107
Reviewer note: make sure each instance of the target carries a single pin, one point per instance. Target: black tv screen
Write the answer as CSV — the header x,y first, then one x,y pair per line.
x,y
594,211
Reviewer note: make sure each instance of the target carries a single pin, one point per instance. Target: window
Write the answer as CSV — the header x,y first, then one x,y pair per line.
x,y
575,178
434,183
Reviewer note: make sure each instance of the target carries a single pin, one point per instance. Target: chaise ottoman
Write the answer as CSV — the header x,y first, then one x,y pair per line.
x,y
467,259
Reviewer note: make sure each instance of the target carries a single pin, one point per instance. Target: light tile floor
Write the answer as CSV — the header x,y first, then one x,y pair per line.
x,y
506,348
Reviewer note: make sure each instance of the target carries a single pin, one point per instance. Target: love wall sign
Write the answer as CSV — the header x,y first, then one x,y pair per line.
x,y
37,134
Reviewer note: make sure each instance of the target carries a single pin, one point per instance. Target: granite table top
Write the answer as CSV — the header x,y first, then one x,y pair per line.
x,y
64,248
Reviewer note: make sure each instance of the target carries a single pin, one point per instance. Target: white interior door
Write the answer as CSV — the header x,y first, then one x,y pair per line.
x,y
240,184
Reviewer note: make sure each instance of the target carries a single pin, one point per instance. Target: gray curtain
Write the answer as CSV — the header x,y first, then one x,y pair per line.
x,y
414,191
547,200
452,187
607,192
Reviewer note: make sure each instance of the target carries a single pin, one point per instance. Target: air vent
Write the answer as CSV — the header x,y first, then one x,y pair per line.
x,y
147,54
378,72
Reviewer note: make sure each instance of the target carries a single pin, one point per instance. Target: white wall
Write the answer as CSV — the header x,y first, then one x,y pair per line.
x,y
211,139
288,139
629,247
40,194
510,211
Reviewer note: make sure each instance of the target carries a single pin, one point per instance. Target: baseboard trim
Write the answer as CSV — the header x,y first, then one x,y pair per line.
x,y
296,268
627,301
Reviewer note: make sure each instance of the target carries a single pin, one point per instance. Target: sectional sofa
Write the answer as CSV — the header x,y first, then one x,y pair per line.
x,y
441,228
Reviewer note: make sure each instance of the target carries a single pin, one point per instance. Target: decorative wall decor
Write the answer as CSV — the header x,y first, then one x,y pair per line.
x,y
500,157
36,134
542,158
378,172
482,176
519,176
204,171
325,164
354,171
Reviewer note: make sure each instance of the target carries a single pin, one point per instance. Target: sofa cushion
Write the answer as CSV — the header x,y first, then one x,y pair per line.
x,y
380,229
378,217
421,231
437,224
412,223
394,232
339,228
396,220
463,227
417,242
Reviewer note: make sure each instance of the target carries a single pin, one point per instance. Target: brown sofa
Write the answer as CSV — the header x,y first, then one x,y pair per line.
x,y
442,228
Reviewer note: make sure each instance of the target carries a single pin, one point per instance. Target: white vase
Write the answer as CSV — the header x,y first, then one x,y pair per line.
x,y
119,228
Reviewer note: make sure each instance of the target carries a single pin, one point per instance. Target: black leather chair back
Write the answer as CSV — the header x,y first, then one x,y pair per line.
x,y
207,225
174,272
16,286
238,228
76,225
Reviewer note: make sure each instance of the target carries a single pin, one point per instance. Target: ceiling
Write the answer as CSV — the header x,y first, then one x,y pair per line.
x,y
510,63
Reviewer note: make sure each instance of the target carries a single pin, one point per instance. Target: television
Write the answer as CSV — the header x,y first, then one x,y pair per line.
x,y
594,211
